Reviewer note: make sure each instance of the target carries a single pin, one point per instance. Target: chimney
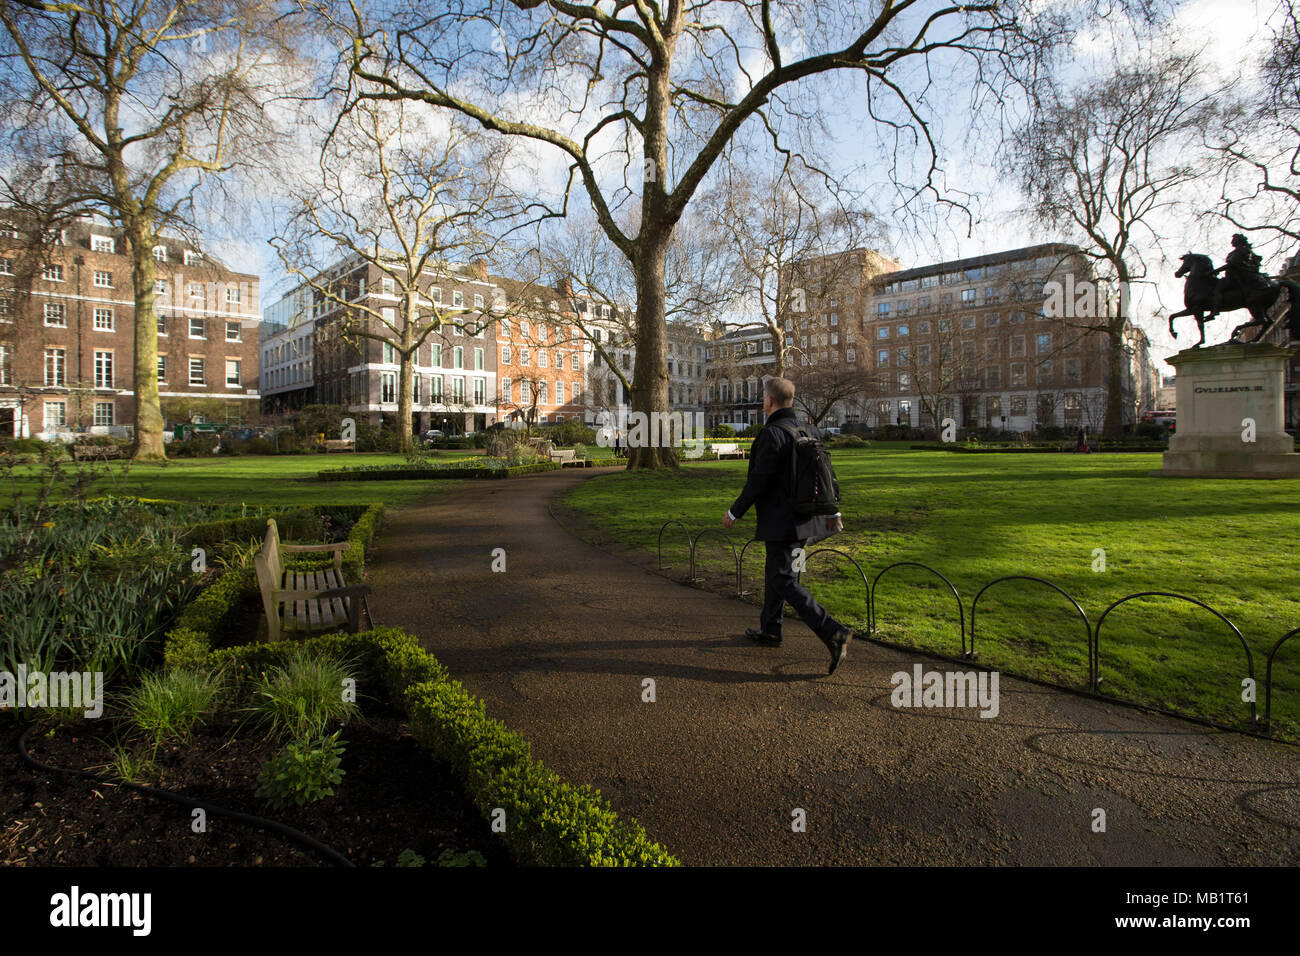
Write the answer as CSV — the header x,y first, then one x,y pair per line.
x,y
565,287
479,269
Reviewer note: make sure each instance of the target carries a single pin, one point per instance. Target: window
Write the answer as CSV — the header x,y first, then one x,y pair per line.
x,y
55,314
1044,342
478,304
103,320
851,355
967,296
505,355
541,359
388,387
162,368
882,332
232,332
192,258
458,391
162,325
389,354
968,322
525,393
435,355
904,357
160,253
56,367
991,320
196,329
505,390
505,327
541,393
480,391
436,293
923,328
197,376
575,362
883,309
1046,373
103,280
524,357
1018,379
882,358
457,299
5,374
1019,404
53,273
6,267
56,415
103,369
559,392
992,348
232,372
103,413
478,361
8,231
458,357
415,389
993,377
435,389
1016,346
160,287
1072,371
903,330
232,295
904,380
197,293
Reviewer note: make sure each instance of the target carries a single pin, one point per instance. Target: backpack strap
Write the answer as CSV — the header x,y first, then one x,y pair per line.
x,y
795,431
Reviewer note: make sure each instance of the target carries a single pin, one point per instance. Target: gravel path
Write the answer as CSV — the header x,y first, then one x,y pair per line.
x,y
740,737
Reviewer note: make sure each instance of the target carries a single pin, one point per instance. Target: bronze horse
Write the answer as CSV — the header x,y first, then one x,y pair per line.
x,y
1199,297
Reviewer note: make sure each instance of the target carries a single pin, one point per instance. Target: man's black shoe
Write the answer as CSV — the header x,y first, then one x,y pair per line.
x,y
839,647
761,637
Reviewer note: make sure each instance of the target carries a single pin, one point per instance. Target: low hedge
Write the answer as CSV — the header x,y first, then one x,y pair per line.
x,y
1057,448
405,472
548,821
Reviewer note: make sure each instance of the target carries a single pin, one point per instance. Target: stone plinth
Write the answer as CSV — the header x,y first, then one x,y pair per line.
x,y
1222,390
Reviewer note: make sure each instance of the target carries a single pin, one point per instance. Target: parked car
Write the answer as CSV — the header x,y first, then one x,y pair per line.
x,y
434,435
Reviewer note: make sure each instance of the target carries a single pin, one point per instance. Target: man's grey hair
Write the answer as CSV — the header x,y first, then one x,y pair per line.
x,y
781,391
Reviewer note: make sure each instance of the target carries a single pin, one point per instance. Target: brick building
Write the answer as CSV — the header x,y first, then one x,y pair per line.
x,y
67,332
542,355
313,355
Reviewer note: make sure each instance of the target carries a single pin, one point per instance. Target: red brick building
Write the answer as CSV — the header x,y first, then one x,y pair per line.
x,y
67,332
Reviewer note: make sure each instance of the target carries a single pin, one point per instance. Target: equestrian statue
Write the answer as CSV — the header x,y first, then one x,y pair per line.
x,y
1243,286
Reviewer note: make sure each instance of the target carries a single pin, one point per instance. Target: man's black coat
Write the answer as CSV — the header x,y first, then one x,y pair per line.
x,y
767,484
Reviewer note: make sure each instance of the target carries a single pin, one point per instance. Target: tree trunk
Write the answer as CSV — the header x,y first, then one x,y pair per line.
x,y
650,380
406,377
148,418
1113,425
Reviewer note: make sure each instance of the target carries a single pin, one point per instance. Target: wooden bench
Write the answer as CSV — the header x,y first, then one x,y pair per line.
x,y
95,452
311,600
729,450
566,457
339,444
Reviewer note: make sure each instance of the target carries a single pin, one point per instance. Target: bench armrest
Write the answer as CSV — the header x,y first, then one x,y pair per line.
x,y
333,546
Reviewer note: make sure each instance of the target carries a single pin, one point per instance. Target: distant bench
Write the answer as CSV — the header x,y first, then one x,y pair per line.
x,y
339,444
84,452
565,457
728,450
311,600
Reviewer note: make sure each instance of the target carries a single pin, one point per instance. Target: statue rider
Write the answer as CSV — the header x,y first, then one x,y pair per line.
x,y
1241,271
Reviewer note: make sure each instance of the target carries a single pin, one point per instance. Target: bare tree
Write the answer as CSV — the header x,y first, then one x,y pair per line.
x,y
1259,142
401,192
143,99
1108,158
777,230
641,99
830,381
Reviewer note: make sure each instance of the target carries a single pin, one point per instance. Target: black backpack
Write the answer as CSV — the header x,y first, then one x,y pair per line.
x,y
814,489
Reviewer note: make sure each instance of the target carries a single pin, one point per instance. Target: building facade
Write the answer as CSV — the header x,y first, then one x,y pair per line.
x,y
67,333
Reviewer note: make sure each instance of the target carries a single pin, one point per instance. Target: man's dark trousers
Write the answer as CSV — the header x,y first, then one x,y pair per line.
x,y
780,586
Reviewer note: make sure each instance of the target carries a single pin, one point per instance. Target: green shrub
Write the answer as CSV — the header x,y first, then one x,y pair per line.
x,y
170,704
303,772
579,450
301,698
722,431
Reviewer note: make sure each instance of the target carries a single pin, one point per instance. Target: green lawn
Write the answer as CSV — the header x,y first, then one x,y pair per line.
x,y
975,518
276,479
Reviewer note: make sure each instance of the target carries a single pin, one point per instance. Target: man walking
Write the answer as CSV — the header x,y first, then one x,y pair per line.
x,y
766,488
